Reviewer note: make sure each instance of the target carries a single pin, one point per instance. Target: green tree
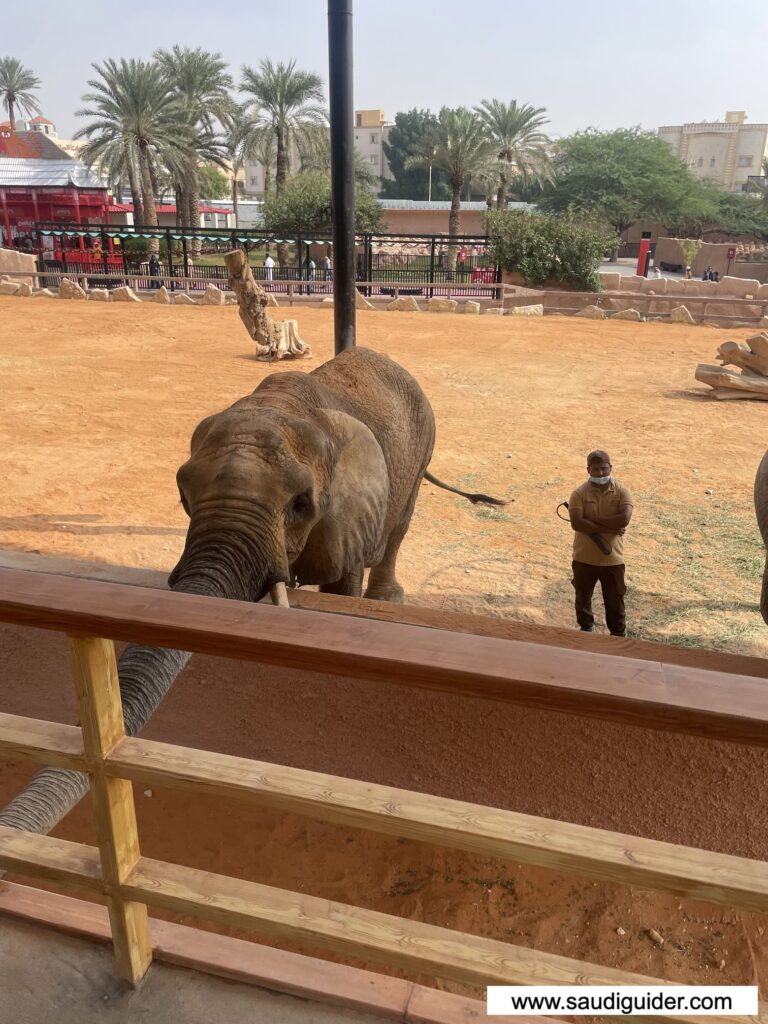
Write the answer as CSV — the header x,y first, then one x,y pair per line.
x,y
461,150
134,108
213,184
288,101
521,146
304,205
17,86
623,176
413,134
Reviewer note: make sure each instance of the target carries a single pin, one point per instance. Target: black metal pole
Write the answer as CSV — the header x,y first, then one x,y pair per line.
x,y
342,171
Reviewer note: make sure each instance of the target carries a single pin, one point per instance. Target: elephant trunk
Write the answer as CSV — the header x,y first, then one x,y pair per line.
x,y
229,565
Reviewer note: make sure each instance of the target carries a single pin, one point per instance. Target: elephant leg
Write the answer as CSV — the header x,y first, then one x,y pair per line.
x,y
382,582
350,585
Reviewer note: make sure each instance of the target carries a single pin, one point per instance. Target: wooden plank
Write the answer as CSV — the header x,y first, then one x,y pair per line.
x,y
44,742
70,864
94,668
350,931
636,692
596,853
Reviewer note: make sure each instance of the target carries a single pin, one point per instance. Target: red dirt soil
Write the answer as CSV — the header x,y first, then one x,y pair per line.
x,y
99,405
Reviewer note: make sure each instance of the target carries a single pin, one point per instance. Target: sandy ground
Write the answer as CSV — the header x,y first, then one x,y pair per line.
x,y
98,405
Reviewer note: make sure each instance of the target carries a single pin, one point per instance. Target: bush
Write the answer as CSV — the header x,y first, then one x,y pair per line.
x,y
304,205
547,248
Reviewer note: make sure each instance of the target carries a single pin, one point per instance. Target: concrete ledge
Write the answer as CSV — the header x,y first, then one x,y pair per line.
x,y
253,964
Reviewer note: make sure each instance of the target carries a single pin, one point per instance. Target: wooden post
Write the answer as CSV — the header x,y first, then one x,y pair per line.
x,y
94,669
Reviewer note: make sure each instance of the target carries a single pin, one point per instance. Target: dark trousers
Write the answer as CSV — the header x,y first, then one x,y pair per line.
x,y
611,579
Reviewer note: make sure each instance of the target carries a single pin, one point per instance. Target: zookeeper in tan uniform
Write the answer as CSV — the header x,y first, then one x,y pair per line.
x,y
600,511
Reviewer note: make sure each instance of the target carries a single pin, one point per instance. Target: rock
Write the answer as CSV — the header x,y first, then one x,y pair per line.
x,y
472,308
99,295
25,290
494,311
406,304
709,491
654,936
726,309
231,300
328,301
632,283
125,294
44,293
591,313
739,287
611,281
657,285
9,288
659,306
361,302
182,299
70,289
680,315
620,931
213,296
440,305
537,309
162,296
628,314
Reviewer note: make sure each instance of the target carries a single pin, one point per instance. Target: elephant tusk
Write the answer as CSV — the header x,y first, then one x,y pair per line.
x,y
279,595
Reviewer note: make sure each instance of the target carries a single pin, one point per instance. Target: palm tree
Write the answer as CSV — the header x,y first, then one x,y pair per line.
x,y
16,86
135,106
315,155
461,149
288,101
515,133
201,82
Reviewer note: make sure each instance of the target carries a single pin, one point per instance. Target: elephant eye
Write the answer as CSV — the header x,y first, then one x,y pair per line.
x,y
301,506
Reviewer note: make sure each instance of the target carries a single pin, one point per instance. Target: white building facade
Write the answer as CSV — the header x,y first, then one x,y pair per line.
x,y
727,151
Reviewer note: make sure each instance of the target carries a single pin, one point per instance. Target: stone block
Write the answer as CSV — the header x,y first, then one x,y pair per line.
x,y
686,287
405,304
70,289
680,315
611,281
657,285
537,309
762,292
44,293
99,295
632,283
438,305
738,287
213,296
25,290
182,299
659,307
614,303
627,314
125,294
361,302
162,296
471,307
494,311
591,313
749,312
9,288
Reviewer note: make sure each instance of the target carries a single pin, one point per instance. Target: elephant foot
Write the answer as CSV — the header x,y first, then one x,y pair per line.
x,y
392,592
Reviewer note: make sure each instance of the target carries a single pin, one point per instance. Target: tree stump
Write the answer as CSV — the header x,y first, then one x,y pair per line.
x,y
751,359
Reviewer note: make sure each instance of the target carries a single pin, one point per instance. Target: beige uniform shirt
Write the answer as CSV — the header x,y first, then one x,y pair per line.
x,y
595,502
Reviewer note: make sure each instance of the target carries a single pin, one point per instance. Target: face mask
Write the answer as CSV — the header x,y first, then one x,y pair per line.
x,y
600,479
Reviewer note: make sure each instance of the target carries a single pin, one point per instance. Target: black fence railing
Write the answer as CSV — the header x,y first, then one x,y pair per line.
x,y
411,263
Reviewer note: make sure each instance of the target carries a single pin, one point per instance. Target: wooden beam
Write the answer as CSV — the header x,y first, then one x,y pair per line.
x,y
642,693
70,864
596,853
349,931
43,742
94,668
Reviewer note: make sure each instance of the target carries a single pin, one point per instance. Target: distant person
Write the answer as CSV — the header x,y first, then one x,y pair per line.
x,y
715,276
657,272
707,275
311,275
327,270
600,511
269,268
154,269
688,274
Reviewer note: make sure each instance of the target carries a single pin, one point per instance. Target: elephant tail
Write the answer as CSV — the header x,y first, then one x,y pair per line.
x,y
484,499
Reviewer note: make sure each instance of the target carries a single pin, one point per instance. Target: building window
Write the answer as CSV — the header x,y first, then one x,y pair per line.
x,y
254,181
711,161
373,158
700,162
745,161
374,137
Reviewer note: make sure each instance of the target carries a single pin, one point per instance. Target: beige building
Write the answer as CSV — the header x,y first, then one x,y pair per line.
x,y
727,151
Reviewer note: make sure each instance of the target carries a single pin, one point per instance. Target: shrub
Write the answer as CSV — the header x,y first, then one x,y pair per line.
x,y
549,248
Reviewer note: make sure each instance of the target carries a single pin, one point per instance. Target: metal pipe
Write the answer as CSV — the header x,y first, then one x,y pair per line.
x,y
342,171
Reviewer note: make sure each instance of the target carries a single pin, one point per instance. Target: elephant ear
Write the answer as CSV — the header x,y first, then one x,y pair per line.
x,y
351,530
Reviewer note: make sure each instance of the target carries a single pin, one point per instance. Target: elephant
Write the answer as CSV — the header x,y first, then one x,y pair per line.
x,y
310,479
761,511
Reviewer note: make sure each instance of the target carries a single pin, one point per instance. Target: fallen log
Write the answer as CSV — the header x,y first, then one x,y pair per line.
x,y
719,377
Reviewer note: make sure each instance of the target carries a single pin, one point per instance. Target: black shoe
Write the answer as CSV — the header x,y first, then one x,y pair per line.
x,y
587,629
618,634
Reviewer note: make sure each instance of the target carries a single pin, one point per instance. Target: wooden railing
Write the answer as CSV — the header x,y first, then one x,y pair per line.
x,y
656,695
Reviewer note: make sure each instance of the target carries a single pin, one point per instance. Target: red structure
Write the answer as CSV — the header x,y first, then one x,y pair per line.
x,y
40,182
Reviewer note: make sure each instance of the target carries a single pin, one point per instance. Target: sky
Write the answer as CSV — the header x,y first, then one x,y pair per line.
x,y
598,63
